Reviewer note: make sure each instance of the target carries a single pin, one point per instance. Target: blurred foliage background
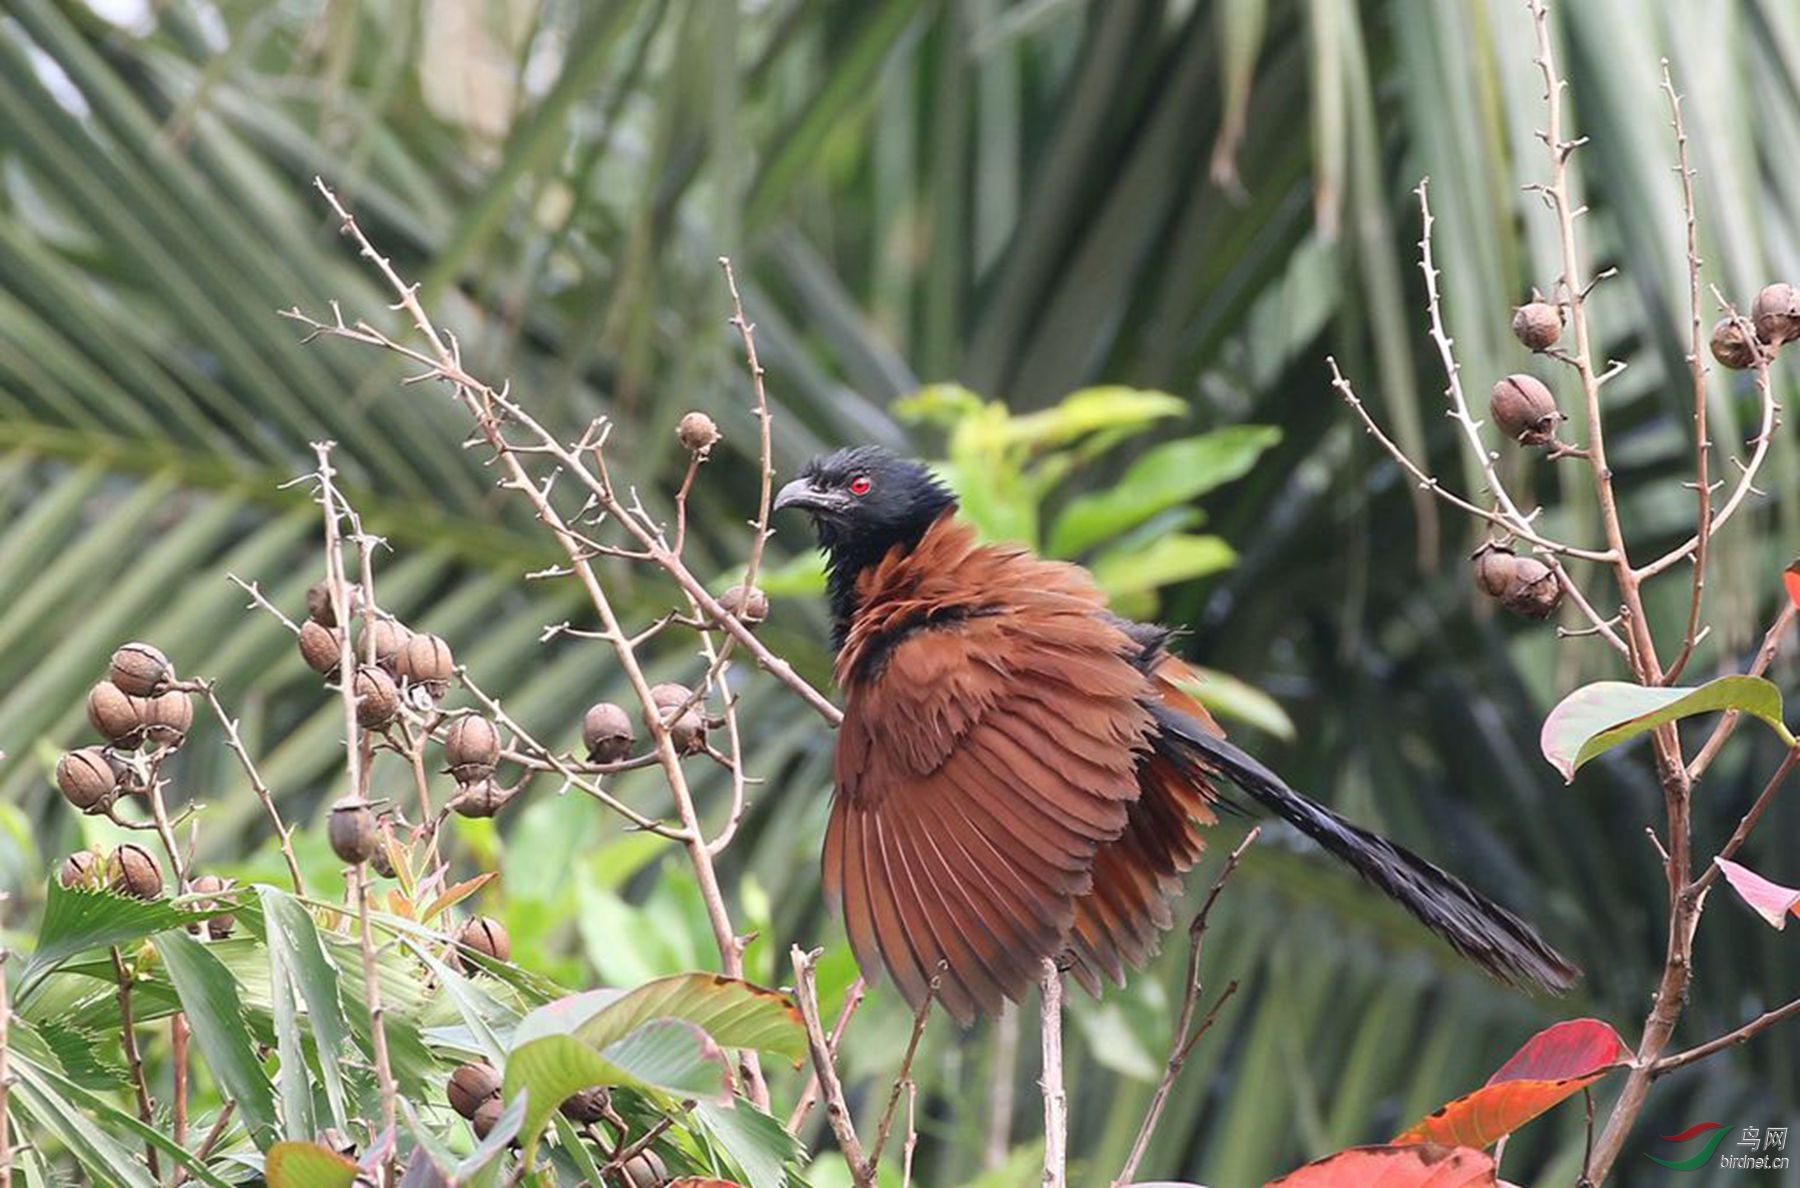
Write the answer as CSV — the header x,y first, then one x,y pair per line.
x,y
1025,198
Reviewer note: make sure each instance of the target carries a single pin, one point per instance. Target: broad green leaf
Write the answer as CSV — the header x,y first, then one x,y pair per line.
x,y
307,1165
481,1167
79,1054
291,933
1597,717
211,998
733,1012
1091,410
78,920
665,1055
759,1145
1239,701
1176,558
1165,476
293,1083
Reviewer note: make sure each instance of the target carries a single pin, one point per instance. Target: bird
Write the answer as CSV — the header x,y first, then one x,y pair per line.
x,y
1021,775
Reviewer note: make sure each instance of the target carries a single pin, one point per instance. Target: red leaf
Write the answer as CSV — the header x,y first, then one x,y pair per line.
x,y
1424,1165
1790,577
1771,901
1554,1064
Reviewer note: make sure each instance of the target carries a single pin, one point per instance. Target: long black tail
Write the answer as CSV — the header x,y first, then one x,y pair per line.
x,y
1481,930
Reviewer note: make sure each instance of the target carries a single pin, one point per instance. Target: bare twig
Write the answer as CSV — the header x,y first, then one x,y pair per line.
x,y
1056,1097
358,880
235,741
1756,1026
853,998
1765,656
133,1061
1748,822
1703,525
1181,1044
903,1080
837,1111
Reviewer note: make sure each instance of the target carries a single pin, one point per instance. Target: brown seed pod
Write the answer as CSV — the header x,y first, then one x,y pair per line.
x,y
607,733
750,606
220,926
1494,567
168,718
487,936
1524,410
470,1085
1776,313
116,715
587,1106
140,670
481,798
352,830
377,698
318,602
425,660
86,779
1732,345
382,860
82,869
390,636
697,433
1535,592
131,870
322,648
1538,324
471,748
486,1116
645,1170
687,732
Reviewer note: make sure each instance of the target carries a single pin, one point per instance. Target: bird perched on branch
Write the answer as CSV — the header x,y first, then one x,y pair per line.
x,y
1020,773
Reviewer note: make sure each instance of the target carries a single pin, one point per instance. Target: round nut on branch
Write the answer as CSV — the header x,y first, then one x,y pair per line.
x,y
1732,345
1535,592
131,870
687,732
131,775
220,926
390,636
1776,314
425,660
1495,566
487,936
481,798
1538,324
1525,410
86,779
117,715
486,1116
377,697
322,648
749,605
471,748
587,1106
168,717
352,831
318,602
83,869
140,670
470,1085
382,860
607,733
645,1170
697,433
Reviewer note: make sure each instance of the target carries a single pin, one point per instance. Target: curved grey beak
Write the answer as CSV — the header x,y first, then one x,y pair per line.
x,y
801,493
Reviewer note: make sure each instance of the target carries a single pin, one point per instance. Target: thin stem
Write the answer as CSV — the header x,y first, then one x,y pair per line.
x,y
1765,656
133,1061
903,1080
1703,525
234,741
837,1111
356,877
1756,1026
1748,823
1184,1038
1056,1098
853,998
1003,1064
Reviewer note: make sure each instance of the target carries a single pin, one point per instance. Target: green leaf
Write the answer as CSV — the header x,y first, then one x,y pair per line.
x,y
293,941
664,1055
78,1052
1176,558
1598,717
1089,411
759,1145
1239,701
733,1012
211,998
78,920
1168,475
307,1165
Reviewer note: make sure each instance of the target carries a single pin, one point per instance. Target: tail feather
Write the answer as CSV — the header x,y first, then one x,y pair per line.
x,y
1476,927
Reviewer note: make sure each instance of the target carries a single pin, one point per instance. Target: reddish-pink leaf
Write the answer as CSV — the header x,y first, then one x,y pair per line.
x,y
1554,1064
1771,901
1423,1165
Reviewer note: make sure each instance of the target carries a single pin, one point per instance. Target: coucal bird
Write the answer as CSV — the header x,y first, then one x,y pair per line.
x,y
1019,772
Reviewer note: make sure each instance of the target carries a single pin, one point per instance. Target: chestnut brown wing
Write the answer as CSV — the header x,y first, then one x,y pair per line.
x,y
980,765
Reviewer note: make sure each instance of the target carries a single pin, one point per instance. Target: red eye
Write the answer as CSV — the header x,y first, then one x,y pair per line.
x,y
860,485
